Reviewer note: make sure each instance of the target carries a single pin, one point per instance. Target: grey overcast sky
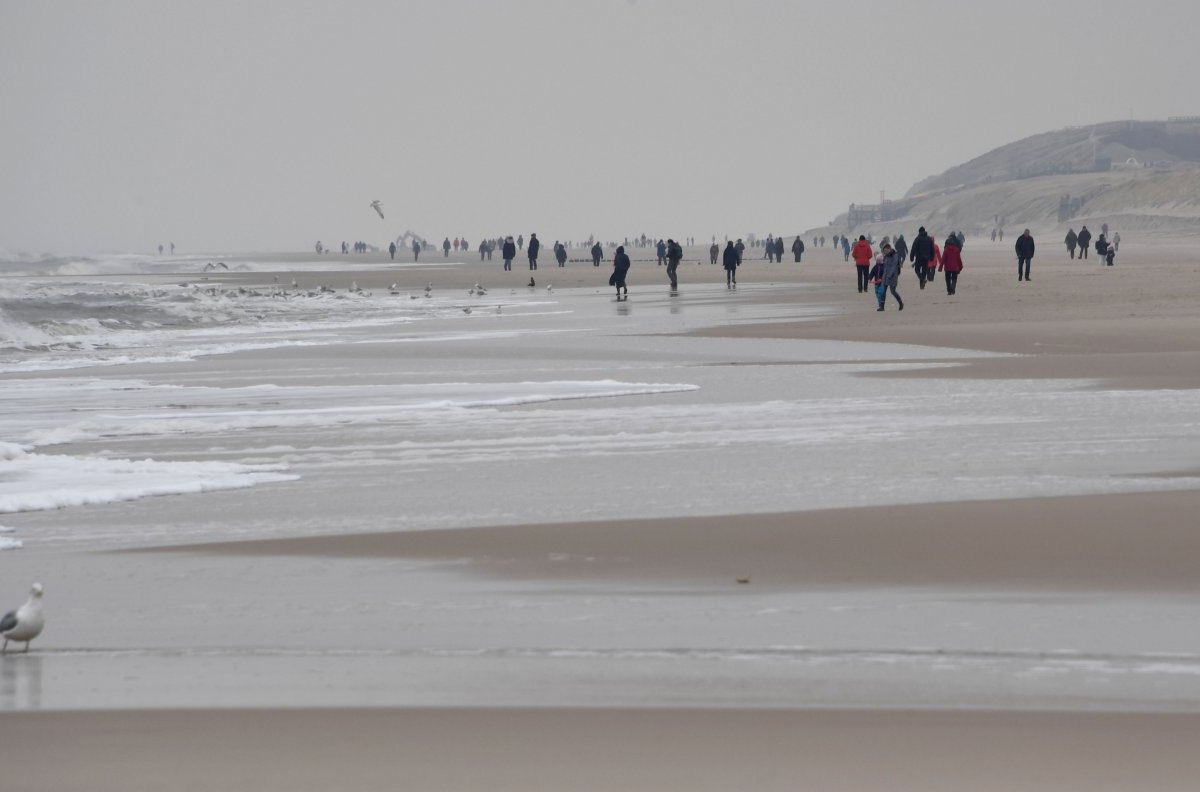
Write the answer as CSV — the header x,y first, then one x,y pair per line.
x,y
227,125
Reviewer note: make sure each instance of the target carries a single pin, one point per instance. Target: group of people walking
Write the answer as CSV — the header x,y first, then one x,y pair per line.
x,y
882,270
1105,249
876,271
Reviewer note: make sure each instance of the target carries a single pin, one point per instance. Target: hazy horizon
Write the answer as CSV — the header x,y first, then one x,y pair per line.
x,y
270,125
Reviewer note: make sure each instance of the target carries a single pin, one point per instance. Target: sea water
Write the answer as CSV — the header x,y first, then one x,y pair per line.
x,y
346,411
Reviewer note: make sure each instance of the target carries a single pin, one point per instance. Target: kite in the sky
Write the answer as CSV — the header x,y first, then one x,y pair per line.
x,y
378,207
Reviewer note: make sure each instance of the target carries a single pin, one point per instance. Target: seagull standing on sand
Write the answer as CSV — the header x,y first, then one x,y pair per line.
x,y
26,622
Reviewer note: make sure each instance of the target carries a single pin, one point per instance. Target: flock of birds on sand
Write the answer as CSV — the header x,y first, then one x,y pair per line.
x,y
277,291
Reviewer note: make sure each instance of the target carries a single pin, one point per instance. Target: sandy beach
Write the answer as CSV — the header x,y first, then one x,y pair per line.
x,y
950,641
598,750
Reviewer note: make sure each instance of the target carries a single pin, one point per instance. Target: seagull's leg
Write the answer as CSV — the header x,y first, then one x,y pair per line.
x,y
27,647
4,649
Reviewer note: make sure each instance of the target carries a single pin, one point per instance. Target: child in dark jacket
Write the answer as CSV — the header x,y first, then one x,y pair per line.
x,y
885,274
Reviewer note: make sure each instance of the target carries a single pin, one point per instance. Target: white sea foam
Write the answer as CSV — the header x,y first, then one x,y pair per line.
x,y
39,482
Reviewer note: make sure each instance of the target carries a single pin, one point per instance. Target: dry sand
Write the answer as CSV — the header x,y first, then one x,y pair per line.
x,y
1132,326
598,749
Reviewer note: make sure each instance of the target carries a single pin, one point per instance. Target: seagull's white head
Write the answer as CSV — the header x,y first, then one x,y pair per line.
x,y
36,590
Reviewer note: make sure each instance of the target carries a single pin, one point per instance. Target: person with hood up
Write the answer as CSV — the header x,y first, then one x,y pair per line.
x,y
1072,240
779,249
1085,242
922,254
674,256
597,254
620,270
1025,248
446,247
508,253
661,250
730,260
901,247
560,253
862,261
534,247
885,274
798,248
951,262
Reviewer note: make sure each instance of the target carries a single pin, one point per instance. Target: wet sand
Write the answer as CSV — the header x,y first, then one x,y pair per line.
x,y
1126,542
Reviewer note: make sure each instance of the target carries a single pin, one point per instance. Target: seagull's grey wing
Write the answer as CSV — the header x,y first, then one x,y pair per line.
x,y
8,622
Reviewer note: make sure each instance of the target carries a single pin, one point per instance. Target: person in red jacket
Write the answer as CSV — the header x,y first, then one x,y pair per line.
x,y
862,254
951,263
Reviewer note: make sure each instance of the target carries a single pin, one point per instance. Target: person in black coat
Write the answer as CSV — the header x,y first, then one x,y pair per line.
x,y
1024,248
1085,242
798,248
730,259
534,247
597,254
921,253
779,249
508,253
674,256
620,270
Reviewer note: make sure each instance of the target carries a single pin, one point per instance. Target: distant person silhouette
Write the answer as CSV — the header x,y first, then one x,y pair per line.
x,y
534,247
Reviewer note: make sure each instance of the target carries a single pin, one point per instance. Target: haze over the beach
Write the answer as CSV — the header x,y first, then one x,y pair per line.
x,y
264,126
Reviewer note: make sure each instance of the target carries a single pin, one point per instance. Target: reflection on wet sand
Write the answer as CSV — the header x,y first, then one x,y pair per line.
x,y
21,682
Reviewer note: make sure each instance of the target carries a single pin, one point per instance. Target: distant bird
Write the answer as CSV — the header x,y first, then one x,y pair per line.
x,y
295,285
354,287
549,289
467,310
378,207
26,622
218,265
531,283
743,580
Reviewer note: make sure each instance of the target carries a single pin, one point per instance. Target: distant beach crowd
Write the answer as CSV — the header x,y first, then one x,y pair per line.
x,y
877,265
